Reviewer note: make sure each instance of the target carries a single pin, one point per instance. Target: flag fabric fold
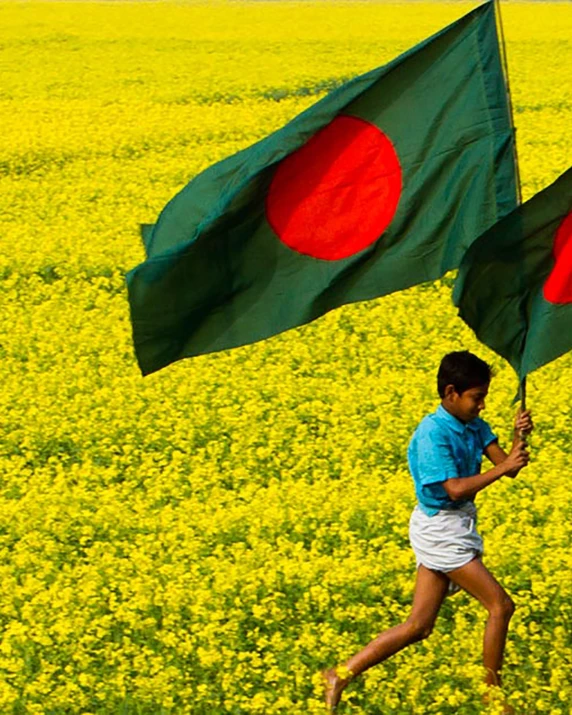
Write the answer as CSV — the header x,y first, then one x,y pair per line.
x,y
381,185
514,286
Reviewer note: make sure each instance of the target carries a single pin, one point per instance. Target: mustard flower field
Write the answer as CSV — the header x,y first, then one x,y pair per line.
x,y
206,539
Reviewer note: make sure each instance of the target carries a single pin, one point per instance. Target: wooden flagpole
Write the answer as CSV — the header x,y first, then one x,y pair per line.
x,y
509,99
522,383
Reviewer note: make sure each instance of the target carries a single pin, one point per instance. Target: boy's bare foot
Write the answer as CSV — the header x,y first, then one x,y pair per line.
x,y
333,687
489,698
507,709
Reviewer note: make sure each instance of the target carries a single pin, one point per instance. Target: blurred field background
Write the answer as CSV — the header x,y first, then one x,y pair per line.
x,y
204,540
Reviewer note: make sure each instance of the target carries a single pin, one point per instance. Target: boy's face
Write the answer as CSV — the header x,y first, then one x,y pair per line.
x,y
467,405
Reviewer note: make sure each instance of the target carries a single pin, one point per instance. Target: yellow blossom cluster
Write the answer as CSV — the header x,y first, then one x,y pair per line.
x,y
206,539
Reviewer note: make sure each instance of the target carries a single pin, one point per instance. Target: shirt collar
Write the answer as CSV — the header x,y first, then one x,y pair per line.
x,y
455,424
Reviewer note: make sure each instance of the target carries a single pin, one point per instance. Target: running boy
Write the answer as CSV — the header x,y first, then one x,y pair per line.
x,y
444,457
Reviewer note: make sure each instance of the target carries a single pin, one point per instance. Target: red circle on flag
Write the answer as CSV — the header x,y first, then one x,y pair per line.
x,y
558,285
336,194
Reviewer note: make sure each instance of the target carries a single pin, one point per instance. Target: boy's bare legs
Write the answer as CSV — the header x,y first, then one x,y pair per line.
x,y
430,590
477,580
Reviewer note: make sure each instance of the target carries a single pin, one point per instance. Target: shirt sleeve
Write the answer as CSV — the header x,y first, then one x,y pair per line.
x,y
435,459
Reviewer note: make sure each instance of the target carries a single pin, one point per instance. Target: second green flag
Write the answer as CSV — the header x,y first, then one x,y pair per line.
x,y
514,287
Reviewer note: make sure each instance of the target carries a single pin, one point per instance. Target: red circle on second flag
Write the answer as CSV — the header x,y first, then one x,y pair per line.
x,y
558,285
336,194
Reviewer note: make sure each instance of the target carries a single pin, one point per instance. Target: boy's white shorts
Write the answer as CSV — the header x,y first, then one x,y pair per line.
x,y
447,540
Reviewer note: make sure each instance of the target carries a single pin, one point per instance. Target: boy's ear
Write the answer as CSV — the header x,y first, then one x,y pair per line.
x,y
449,390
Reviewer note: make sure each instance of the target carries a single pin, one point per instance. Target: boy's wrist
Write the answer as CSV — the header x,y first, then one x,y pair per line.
x,y
501,469
492,475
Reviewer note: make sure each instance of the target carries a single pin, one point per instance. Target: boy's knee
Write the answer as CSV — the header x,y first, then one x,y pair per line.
x,y
509,606
418,629
503,608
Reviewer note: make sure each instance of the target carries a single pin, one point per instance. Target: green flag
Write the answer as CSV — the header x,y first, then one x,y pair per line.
x,y
514,286
382,184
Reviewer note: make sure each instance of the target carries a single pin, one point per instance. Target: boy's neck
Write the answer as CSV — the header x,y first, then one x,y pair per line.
x,y
448,409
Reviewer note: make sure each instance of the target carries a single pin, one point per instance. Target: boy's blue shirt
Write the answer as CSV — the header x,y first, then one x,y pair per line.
x,y
443,447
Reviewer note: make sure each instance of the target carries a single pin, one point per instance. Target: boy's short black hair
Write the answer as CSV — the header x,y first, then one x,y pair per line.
x,y
463,370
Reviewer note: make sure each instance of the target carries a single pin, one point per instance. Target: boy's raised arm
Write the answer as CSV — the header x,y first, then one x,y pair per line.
x,y
495,453
522,427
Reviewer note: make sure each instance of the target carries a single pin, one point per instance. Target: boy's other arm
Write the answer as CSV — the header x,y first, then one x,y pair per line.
x,y
522,427
507,465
